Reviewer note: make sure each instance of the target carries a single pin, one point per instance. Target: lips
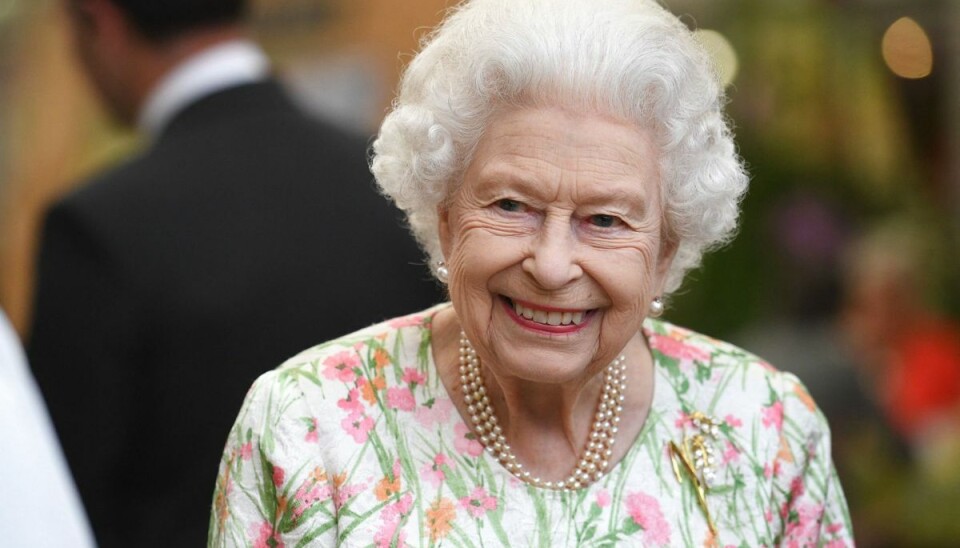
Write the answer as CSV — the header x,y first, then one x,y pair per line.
x,y
548,316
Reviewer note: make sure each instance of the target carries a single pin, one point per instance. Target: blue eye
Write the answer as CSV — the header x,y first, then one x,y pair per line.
x,y
604,221
507,204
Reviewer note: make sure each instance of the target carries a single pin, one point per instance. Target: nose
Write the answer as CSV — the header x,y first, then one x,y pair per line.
x,y
552,260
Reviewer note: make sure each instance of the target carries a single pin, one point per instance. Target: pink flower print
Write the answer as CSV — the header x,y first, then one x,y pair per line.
x,y
311,436
406,321
683,421
351,403
771,470
340,366
309,494
264,536
674,348
730,453
645,511
358,426
603,498
391,516
433,473
838,543
278,475
773,416
400,508
400,397
768,515
478,503
466,442
802,529
246,451
435,411
734,422
796,487
834,528
383,538
412,375
346,492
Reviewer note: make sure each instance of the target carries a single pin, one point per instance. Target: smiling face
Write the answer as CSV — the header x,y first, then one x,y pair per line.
x,y
554,243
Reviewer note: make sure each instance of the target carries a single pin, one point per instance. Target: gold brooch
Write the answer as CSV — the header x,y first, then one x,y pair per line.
x,y
696,454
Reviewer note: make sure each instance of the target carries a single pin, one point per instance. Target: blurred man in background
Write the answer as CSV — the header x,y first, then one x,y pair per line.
x,y
166,285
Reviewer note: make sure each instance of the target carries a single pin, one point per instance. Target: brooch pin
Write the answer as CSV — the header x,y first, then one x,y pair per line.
x,y
696,455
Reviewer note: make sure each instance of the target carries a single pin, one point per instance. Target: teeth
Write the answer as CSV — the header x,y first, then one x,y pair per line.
x,y
549,318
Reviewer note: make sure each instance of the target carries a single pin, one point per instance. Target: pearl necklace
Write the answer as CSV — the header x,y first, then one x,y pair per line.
x,y
603,431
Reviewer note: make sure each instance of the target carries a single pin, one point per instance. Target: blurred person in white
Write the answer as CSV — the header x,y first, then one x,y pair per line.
x,y
39,506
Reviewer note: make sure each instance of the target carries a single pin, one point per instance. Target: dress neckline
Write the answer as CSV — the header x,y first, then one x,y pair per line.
x,y
657,406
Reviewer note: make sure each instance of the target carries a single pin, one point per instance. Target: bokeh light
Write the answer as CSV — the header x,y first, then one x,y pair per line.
x,y
722,53
907,49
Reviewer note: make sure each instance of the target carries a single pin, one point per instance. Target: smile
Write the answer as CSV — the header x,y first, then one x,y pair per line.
x,y
548,316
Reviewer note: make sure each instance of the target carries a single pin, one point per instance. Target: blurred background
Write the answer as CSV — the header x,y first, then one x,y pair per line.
x,y
845,270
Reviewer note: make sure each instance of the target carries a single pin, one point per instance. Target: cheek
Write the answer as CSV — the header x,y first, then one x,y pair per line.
x,y
628,276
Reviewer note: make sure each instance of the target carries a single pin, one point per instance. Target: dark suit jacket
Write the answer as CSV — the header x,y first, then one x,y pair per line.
x,y
246,233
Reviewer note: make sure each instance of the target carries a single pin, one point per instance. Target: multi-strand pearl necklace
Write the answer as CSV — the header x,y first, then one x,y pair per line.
x,y
599,448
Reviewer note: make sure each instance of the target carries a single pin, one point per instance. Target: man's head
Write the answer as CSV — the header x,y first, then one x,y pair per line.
x,y
126,45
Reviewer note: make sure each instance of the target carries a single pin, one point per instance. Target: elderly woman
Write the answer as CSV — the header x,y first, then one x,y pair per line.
x,y
563,163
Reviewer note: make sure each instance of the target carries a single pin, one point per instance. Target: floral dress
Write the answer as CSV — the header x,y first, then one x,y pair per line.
x,y
356,443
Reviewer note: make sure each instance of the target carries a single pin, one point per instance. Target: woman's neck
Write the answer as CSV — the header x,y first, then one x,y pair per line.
x,y
547,425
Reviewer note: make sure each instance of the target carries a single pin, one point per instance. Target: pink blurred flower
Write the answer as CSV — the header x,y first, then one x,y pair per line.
x,y
734,422
677,349
278,475
478,503
413,375
400,397
340,366
264,536
351,403
773,415
309,494
730,453
433,473
391,516
311,436
796,487
246,451
804,529
645,511
603,498
466,442
345,492
406,321
358,426
438,413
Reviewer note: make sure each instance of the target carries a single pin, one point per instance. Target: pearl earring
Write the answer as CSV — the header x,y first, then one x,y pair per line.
x,y
442,273
656,307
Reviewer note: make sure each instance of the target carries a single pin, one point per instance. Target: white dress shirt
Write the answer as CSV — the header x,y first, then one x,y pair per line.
x,y
219,67
39,505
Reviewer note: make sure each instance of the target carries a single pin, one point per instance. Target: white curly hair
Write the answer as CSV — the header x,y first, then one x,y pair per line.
x,y
630,59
